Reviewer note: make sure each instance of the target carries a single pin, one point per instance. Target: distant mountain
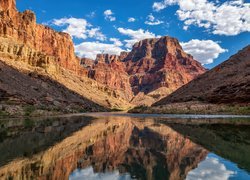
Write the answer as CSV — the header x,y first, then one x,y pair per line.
x,y
228,83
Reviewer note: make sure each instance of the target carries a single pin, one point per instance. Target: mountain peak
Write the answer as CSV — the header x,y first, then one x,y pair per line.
x,y
157,48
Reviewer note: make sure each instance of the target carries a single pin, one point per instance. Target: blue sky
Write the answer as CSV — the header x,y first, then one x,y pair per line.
x,y
206,28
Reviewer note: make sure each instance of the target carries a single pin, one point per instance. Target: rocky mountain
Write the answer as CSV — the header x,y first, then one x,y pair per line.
x,y
228,83
153,69
159,66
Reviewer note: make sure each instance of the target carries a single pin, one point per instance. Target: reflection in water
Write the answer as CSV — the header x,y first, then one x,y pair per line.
x,y
210,168
123,148
89,174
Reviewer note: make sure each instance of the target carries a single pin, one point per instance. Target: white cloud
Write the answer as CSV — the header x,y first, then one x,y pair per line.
x,y
211,168
131,19
89,174
109,15
135,35
228,18
158,6
152,21
97,34
91,49
75,27
204,51
116,41
79,28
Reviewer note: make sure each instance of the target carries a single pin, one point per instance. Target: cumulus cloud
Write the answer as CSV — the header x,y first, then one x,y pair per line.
x,y
131,19
116,41
204,51
91,49
211,168
97,34
89,174
79,28
135,35
75,27
228,18
152,21
109,15
158,6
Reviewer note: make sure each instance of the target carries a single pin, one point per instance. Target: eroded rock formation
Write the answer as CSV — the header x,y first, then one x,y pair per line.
x,y
30,47
22,29
153,69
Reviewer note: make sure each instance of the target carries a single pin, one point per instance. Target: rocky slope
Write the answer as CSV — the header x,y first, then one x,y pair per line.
x,y
229,82
22,90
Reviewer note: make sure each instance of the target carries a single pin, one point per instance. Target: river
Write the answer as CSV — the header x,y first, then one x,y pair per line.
x,y
110,146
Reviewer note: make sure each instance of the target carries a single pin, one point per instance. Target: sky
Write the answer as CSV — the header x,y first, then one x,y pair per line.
x,y
210,30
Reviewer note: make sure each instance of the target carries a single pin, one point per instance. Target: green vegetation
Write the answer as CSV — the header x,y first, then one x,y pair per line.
x,y
187,108
140,109
244,110
3,113
28,123
28,110
116,110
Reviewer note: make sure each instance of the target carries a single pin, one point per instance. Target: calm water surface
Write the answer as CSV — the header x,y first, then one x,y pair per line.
x,y
121,146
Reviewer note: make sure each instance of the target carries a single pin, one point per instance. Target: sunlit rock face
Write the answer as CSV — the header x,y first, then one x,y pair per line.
x,y
22,29
142,149
112,74
30,47
155,63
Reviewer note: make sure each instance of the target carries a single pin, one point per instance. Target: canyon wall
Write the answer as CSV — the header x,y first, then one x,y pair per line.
x,y
30,47
21,28
153,69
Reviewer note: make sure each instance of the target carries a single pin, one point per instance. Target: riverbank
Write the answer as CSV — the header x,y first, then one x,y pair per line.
x,y
194,108
21,110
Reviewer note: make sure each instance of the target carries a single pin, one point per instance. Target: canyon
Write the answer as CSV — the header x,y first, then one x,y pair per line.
x,y
152,70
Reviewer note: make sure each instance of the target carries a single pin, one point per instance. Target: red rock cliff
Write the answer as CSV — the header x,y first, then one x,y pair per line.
x,y
158,66
22,28
160,62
